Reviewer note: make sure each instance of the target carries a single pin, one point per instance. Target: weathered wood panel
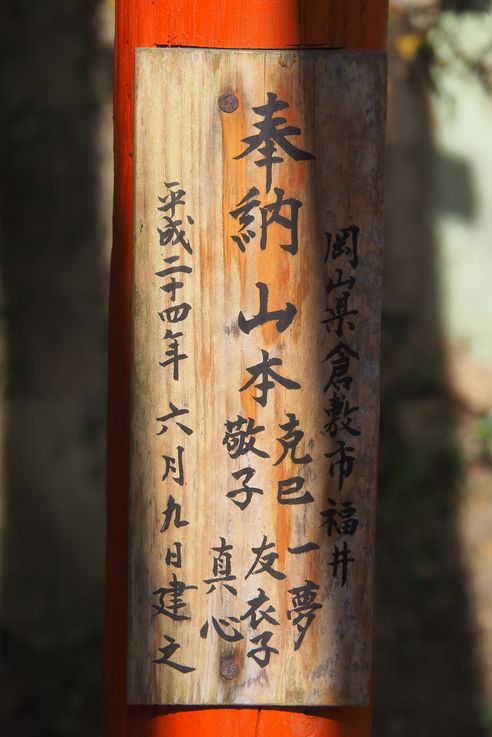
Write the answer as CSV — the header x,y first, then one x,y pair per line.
x,y
257,191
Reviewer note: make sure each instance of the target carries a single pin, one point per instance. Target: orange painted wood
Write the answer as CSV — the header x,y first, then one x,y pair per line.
x,y
347,24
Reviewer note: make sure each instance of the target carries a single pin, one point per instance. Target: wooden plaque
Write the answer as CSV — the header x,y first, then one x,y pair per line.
x,y
257,278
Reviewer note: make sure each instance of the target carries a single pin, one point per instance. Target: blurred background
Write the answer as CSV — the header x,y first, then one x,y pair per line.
x,y
433,658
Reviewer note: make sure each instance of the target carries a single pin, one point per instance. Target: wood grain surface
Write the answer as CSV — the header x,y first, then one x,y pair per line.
x,y
326,290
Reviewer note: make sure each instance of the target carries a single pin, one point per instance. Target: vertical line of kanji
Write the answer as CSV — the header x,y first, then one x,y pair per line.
x,y
358,25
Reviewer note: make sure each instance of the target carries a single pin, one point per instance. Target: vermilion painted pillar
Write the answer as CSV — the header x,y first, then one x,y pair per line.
x,y
346,24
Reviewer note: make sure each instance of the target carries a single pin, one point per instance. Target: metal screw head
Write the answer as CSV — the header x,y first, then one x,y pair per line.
x,y
228,102
229,669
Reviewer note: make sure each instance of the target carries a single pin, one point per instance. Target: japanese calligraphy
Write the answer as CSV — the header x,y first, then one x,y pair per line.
x,y
273,135
254,379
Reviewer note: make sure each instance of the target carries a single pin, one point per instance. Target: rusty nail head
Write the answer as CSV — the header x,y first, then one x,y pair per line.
x,y
229,669
228,102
